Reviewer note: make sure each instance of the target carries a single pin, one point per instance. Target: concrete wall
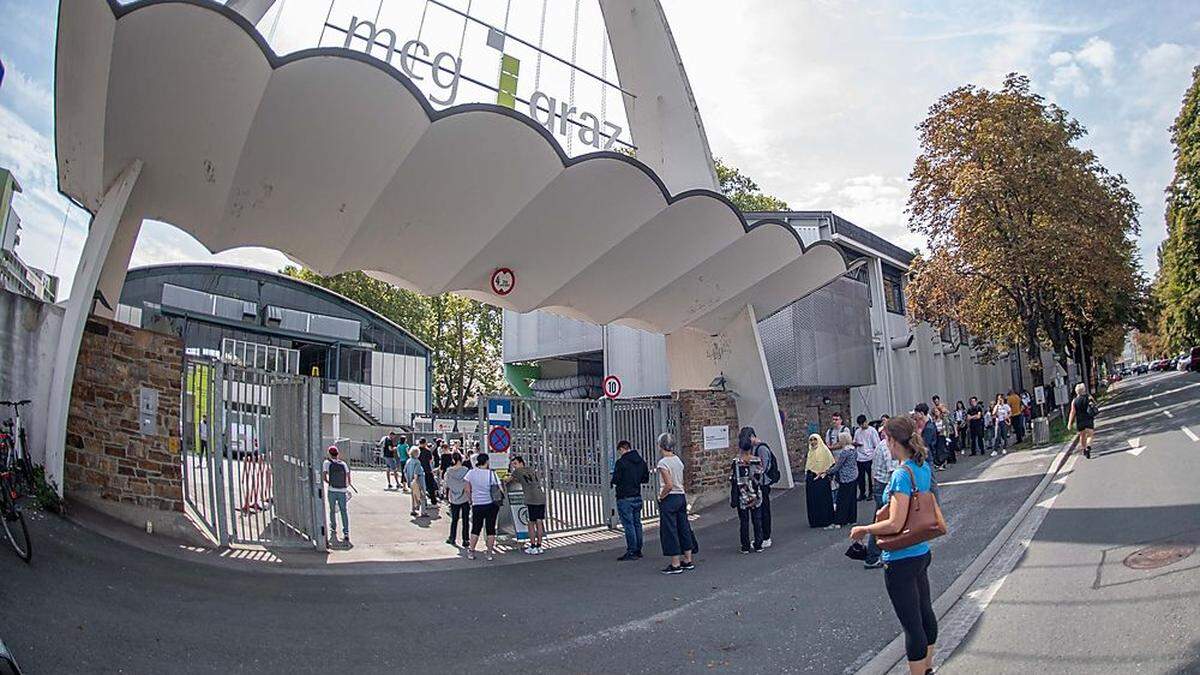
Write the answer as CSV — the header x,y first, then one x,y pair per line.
x,y
29,333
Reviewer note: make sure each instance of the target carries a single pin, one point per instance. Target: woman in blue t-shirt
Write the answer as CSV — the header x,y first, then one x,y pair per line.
x,y
906,570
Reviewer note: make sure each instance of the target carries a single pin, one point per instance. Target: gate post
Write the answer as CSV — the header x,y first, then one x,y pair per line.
x,y
315,454
607,444
216,467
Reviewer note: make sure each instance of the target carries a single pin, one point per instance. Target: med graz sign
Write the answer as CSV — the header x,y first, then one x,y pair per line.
x,y
439,76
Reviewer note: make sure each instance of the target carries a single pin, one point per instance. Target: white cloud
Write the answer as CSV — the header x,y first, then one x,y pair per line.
x,y
1073,70
1098,54
1166,58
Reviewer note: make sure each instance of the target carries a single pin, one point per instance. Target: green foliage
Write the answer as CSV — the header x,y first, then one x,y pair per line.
x,y
1177,288
1030,237
744,192
464,334
44,493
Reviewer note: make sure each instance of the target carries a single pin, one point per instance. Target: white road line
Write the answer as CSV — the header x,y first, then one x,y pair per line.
x,y
1135,448
1168,414
1157,404
1189,434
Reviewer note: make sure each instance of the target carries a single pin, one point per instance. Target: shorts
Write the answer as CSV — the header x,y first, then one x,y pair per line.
x,y
393,463
536,511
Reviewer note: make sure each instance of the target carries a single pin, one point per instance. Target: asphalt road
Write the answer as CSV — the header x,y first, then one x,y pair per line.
x,y
1071,605
90,604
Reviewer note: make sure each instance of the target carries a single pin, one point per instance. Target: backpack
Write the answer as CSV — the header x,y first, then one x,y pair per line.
x,y
772,472
1092,410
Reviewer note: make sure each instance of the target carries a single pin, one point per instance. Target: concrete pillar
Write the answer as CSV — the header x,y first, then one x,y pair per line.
x,y
110,216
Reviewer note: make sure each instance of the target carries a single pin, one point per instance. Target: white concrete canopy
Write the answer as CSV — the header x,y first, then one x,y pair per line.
x,y
338,160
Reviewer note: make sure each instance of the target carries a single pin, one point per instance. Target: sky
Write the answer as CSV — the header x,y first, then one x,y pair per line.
x,y
817,100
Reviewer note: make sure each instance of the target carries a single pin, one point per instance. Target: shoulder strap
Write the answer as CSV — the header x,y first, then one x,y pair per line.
x,y
912,477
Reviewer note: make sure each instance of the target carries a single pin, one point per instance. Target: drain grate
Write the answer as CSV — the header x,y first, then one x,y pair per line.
x,y
1158,555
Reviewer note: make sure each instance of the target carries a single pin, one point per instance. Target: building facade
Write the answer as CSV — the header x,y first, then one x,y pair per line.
x,y
375,375
849,342
15,274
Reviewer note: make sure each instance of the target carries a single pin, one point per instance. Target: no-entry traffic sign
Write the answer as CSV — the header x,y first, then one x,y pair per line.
x,y
504,280
499,439
612,386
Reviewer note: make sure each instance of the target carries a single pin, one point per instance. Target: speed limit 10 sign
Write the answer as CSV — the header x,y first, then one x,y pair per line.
x,y
612,386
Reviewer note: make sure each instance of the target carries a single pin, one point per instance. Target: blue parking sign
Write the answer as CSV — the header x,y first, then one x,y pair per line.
x,y
499,412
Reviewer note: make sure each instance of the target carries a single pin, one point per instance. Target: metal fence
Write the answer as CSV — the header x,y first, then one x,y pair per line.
x,y
251,454
572,444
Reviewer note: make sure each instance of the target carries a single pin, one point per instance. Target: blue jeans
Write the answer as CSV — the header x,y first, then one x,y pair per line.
x,y
338,500
873,551
630,511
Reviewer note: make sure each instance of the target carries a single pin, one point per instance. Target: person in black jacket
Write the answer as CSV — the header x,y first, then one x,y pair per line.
x,y
629,474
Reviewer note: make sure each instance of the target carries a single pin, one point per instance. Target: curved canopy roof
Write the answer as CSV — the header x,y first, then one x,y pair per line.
x,y
338,160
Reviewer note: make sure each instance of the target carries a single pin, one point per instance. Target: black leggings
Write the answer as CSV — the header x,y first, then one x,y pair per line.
x,y
460,512
907,582
484,514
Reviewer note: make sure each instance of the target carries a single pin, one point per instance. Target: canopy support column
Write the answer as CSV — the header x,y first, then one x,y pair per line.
x,y
105,223
696,360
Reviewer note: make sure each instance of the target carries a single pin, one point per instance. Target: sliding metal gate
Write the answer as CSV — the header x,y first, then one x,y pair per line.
x,y
251,454
572,445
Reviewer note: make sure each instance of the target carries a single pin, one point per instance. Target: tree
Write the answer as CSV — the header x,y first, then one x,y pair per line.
x,y
743,191
1177,288
1029,236
463,335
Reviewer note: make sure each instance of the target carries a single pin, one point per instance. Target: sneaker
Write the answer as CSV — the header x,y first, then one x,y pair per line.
x,y
745,551
470,555
671,569
540,551
993,454
491,556
758,549
1087,452
766,543
688,566
873,565
528,550
627,557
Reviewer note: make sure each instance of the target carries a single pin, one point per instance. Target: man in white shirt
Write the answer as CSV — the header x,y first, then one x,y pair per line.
x,y
866,438
1003,412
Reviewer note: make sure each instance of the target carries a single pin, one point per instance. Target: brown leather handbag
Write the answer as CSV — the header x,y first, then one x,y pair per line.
x,y
924,520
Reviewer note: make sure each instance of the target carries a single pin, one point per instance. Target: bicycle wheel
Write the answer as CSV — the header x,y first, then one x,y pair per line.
x,y
18,534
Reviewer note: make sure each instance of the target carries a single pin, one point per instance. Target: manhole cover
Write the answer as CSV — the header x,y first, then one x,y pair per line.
x,y
1159,555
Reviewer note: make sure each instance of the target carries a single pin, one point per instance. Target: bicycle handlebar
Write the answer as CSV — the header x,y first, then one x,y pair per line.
x,y
16,403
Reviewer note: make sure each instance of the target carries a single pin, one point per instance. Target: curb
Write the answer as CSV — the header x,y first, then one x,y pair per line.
x,y
893,653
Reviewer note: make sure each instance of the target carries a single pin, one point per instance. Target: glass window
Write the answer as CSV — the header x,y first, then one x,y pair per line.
x,y
893,292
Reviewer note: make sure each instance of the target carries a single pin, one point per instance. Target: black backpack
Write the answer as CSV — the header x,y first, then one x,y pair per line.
x,y
772,473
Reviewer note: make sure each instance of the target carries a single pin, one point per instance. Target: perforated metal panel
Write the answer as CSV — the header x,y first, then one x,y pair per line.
x,y
821,340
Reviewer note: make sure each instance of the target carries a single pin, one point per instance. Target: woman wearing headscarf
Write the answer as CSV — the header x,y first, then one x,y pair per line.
x,y
816,484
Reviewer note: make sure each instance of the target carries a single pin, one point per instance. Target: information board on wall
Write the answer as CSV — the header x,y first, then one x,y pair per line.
x,y
716,437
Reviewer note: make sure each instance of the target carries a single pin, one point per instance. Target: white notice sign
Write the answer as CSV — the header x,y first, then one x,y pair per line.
x,y
1039,393
716,438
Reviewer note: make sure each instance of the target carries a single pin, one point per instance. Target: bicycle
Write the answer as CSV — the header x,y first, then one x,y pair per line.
x,y
11,517
15,447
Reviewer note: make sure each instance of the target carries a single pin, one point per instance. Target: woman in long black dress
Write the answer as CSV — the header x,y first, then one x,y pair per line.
x,y
818,495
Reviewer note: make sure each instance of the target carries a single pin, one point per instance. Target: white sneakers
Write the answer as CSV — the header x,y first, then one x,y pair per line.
x,y
533,550
766,543
993,454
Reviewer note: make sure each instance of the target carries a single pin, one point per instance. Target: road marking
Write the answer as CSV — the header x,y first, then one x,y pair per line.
x,y
1157,404
1190,435
1168,414
1134,448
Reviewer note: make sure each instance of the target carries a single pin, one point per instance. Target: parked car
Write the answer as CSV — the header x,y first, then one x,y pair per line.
x,y
1142,368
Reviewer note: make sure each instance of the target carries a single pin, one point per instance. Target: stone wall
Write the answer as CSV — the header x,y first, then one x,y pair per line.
x,y
800,407
705,471
109,463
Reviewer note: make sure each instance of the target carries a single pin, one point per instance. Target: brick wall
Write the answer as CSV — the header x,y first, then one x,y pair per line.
x,y
106,455
705,471
802,406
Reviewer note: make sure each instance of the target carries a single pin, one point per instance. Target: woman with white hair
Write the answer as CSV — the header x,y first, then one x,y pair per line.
x,y
675,533
1083,418
845,471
